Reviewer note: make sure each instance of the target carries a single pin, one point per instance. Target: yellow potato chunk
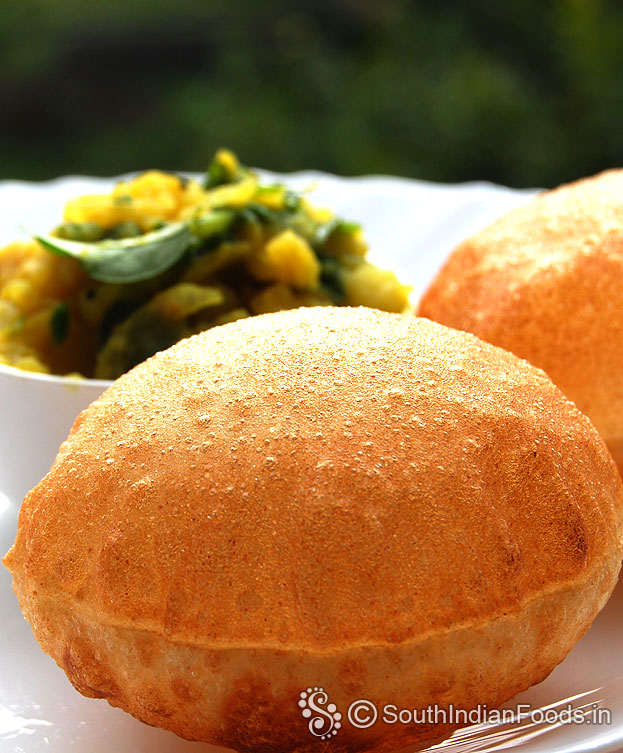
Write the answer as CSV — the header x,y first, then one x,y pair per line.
x,y
319,214
31,363
289,259
19,292
273,298
367,285
151,197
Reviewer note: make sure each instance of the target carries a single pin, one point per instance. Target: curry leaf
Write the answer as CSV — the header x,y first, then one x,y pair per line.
x,y
126,260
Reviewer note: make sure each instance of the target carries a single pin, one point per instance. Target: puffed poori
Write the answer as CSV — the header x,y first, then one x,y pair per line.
x,y
335,498
546,283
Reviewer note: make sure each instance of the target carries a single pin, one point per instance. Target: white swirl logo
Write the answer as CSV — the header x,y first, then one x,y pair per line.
x,y
362,713
324,718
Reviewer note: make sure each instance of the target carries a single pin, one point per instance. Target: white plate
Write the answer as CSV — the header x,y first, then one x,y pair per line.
x,y
411,226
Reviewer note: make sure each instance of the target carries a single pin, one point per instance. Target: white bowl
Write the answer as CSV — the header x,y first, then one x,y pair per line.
x,y
36,414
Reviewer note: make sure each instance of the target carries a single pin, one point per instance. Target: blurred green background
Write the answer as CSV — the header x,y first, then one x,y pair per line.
x,y
521,92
